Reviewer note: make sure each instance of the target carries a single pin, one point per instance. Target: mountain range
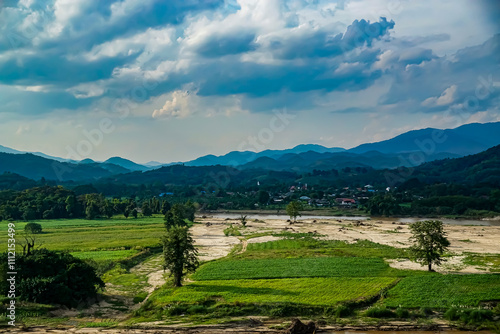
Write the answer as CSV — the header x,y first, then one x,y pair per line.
x,y
408,149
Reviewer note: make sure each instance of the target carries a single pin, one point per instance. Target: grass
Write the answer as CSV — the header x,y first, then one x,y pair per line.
x,y
308,246
114,255
444,291
490,262
129,284
305,291
295,267
79,235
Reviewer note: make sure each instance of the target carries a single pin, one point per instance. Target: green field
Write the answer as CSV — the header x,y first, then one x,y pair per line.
x,y
97,256
304,291
79,235
295,267
311,247
444,291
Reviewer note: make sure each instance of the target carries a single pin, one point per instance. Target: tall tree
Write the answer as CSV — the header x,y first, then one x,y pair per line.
x,y
179,253
293,209
429,242
146,209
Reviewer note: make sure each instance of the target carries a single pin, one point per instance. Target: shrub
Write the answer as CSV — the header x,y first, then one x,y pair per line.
x,y
379,312
426,311
452,314
402,313
232,231
196,309
282,311
34,228
176,310
468,316
52,278
140,297
343,311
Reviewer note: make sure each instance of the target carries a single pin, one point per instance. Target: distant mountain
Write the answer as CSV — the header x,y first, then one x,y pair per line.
x,y
309,161
4,149
127,164
153,164
464,140
237,158
35,167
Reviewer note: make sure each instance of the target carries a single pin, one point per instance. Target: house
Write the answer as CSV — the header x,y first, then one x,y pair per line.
x,y
345,201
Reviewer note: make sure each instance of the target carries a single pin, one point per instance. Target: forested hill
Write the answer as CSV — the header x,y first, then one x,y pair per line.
x,y
483,167
35,167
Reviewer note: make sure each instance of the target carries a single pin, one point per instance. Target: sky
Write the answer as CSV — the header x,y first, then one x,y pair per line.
x,y
152,80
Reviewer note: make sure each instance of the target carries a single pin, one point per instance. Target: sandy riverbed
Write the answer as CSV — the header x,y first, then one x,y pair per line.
x,y
473,239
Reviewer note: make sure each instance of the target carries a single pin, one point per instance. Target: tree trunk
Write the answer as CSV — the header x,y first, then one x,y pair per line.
x,y
177,280
430,266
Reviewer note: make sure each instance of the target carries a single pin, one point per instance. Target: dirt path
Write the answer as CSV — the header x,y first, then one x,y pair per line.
x,y
244,245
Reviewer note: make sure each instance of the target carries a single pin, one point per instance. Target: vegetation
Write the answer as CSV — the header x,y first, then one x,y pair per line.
x,y
179,253
179,214
429,242
75,235
444,291
33,228
303,291
295,268
46,276
293,209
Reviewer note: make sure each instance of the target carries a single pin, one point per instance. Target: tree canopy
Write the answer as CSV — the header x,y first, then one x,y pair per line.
x,y
429,242
179,253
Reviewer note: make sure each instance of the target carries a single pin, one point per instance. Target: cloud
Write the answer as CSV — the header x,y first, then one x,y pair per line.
x,y
186,103
447,97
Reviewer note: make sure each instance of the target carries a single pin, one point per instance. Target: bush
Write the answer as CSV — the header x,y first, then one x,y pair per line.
x,y
379,312
140,297
232,231
176,310
452,314
468,316
283,311
52,278
197,309
426,311
402,313
343,311
34,228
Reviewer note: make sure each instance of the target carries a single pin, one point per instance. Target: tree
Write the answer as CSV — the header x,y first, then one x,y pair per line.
x,y
189,210
429,242
293,209
33,228
165,207
179,253
385,205
263,197
175,216
146,209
